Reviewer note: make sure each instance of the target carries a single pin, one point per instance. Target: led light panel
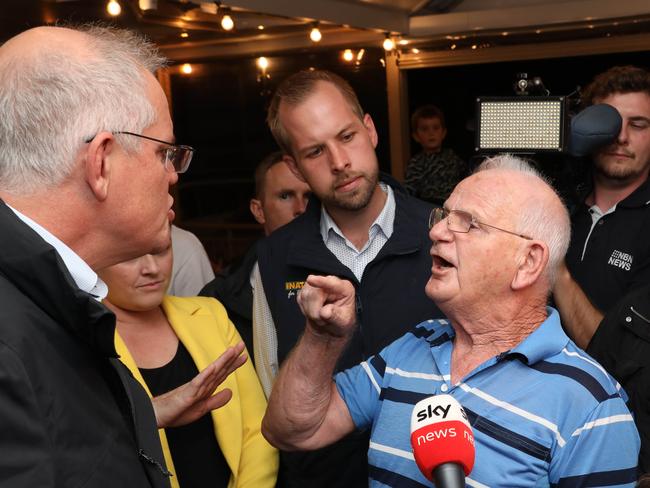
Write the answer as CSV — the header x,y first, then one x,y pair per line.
x,y
520,124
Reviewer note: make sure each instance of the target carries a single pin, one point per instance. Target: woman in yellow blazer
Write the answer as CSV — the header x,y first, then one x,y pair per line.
x,y
164,341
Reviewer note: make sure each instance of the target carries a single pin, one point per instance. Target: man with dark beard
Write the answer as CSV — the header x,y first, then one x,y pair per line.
x,y
609,257
359,225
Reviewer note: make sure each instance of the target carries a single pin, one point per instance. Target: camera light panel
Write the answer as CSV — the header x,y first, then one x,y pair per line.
x,y
521,124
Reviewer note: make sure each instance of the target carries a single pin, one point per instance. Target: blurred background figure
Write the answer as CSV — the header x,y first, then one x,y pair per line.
x,y
164,341
279,195
433,172
192,268
279,198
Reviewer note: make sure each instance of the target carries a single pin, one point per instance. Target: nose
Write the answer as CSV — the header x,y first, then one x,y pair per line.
x,y
173,177
149,265
338,159
440,232
622,138
300,205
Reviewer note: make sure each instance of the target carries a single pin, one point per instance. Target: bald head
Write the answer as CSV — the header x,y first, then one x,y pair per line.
x,y
519,192
41,41
61,86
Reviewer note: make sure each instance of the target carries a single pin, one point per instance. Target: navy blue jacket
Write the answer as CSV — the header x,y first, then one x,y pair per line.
x,y
390,301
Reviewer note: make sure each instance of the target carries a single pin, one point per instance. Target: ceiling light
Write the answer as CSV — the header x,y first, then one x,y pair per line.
x,y
415,50
186,68
148,4
403,42
262,63
184,35
315,34
227,23
113,8
347,55
360,54
260,27
389,43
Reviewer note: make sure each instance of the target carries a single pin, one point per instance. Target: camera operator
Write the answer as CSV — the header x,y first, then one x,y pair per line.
x,y
609,254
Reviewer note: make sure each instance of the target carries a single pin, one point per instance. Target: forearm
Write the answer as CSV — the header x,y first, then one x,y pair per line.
x,y
579,317
303,398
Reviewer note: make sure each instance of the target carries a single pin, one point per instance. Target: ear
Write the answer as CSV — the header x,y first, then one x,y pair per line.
x,y
293,166
444,133
533,261
97,164
255,206
370,127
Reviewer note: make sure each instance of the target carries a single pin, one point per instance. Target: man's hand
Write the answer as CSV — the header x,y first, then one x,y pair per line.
x,y
189,402
328,304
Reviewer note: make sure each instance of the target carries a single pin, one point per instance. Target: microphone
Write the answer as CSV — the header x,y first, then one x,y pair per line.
x,y
442,441
593,128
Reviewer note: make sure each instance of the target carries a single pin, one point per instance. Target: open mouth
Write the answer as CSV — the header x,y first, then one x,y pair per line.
x,y
441,263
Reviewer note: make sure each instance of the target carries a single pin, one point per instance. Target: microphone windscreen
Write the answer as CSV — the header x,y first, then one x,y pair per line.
x,y
440,434
593,128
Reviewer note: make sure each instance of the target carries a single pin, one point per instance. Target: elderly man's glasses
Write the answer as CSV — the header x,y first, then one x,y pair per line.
x,y
176,157
461,221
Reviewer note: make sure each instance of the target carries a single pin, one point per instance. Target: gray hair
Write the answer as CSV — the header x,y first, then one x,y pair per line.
x,y
550,225
53,101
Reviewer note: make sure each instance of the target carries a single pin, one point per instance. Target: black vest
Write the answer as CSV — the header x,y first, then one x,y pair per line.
x,y
390,296
390,301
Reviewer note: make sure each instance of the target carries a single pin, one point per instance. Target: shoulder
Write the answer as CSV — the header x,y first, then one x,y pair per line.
x,y
420,338
196,306
575,373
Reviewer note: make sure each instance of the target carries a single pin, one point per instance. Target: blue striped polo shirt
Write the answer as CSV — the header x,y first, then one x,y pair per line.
x,y
543,414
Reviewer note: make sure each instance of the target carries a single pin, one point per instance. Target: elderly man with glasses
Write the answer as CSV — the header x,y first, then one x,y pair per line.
x,y
85,171
542,411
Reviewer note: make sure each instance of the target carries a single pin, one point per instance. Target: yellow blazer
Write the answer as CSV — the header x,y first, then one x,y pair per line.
x,y
202,325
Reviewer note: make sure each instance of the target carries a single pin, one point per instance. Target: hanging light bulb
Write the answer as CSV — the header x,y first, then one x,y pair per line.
x,y
113,8
347,55
389,43
262,63
315,34
227,23
186,68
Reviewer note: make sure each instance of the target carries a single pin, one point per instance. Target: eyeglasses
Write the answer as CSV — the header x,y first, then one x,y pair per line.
x,y
177,157
461,221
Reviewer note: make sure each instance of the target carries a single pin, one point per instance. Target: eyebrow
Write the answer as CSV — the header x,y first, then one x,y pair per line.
x,y
637,118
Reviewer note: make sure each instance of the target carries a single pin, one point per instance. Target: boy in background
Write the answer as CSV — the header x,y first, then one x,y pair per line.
x,y
432,174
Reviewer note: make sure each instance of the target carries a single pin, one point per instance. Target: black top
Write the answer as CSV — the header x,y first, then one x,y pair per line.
x,y
232,287
622,345
198,460
617,255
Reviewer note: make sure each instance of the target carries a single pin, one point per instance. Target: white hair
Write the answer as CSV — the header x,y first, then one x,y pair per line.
x,y
550,225
52,102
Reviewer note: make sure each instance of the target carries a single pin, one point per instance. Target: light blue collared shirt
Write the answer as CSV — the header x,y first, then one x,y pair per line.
x,y
85,278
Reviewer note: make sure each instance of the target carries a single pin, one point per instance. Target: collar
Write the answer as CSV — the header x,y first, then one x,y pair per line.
x,y
85,278
545,341
383,222
638,198
35,269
